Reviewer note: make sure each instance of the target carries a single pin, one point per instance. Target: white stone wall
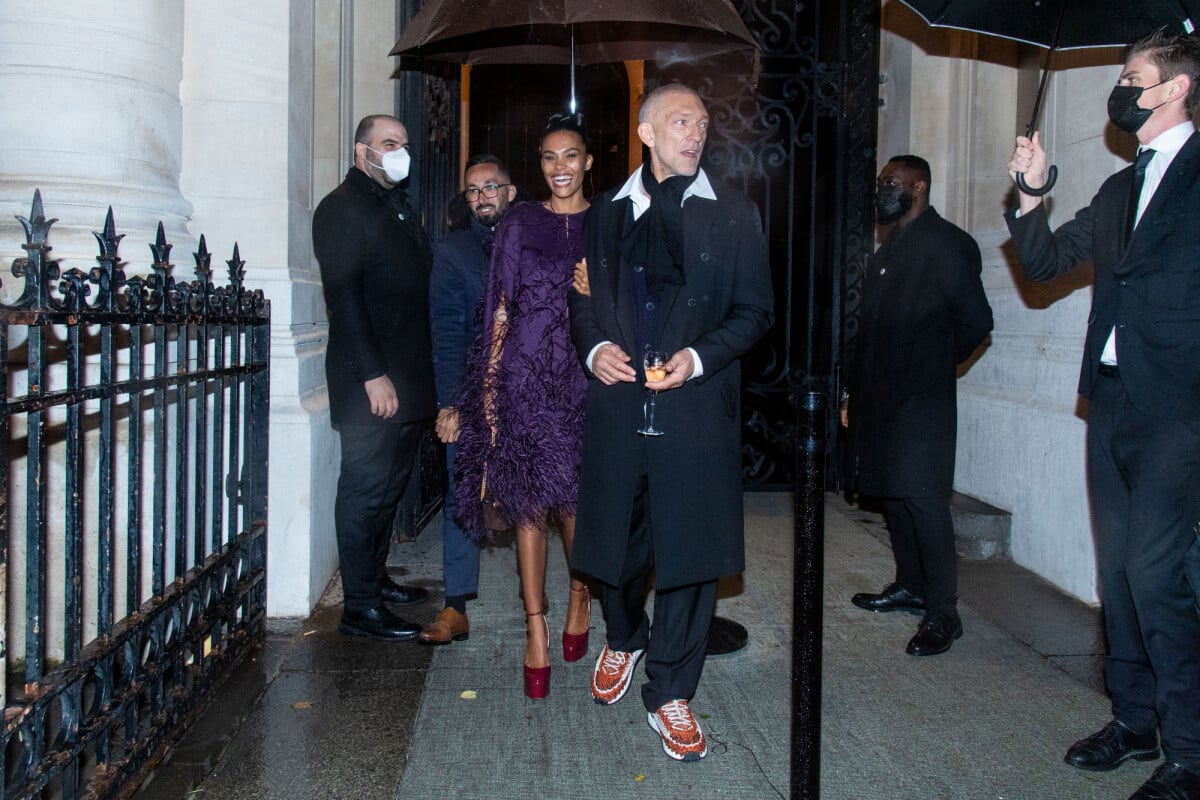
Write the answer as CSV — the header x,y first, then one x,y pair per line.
x,y
959,100
228,119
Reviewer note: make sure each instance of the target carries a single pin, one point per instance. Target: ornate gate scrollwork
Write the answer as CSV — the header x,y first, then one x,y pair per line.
x,y
802,145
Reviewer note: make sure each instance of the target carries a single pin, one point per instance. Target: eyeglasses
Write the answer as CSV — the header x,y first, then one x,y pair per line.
x,y
488,190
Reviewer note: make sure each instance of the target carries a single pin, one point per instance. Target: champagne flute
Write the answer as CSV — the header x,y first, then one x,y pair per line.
x,y
654,363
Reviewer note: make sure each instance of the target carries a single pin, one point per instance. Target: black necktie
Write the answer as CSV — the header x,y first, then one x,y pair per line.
x,y
1135,189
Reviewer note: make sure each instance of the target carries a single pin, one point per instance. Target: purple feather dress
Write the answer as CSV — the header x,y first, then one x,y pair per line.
x,y
537,387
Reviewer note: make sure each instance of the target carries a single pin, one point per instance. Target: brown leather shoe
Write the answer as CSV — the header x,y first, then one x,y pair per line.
x,y
449,624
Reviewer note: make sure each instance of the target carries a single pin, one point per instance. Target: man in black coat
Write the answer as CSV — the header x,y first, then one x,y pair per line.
x,y
924,312
456,287
679,265
375,261
1141,376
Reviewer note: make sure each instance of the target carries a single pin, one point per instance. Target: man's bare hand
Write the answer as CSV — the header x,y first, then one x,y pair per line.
x,y
580,282
1029,159
446,426
844,413
382,394
679,368
611,365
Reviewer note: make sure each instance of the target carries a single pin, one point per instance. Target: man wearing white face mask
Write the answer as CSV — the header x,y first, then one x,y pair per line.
x,y
375,260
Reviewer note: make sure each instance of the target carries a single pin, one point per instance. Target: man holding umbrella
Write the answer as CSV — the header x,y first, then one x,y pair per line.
x,y
1141,375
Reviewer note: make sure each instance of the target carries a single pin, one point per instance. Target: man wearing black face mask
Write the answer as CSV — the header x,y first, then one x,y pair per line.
x,y
1141,375
924,311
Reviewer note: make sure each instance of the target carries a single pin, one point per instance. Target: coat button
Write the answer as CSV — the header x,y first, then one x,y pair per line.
x,y
704,256
603,262
612,307
1124,283
650,306
638,268
691,301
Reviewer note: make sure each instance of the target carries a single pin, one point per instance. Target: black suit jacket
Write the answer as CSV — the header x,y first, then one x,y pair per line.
x,y
695,490
1149,290
456,287
375,272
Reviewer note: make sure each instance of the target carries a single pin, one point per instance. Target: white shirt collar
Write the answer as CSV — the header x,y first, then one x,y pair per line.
x,y
632,188
1172,140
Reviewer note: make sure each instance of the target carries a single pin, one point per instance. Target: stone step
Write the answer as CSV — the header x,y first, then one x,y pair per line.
x,y
981,531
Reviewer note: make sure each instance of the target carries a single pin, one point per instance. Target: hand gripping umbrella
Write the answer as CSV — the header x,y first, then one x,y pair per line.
x,y
1059,25
577,32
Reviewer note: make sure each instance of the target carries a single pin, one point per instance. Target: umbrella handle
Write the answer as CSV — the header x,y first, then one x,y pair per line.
x,y
1051,177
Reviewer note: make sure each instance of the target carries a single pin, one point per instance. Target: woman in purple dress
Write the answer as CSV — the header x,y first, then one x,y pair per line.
x,y
523,407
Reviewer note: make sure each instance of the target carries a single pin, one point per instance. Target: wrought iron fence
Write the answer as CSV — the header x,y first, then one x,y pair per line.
x,y
133,426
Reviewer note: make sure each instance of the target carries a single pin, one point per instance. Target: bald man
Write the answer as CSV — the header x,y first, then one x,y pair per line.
x,y
679,265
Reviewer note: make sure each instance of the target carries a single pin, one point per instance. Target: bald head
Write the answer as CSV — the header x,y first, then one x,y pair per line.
x,y
654,102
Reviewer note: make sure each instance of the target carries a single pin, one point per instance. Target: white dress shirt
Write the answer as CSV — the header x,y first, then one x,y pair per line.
x,y
1165,146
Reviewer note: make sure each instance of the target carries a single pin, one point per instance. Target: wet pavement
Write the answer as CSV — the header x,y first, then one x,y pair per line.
x,y
314,714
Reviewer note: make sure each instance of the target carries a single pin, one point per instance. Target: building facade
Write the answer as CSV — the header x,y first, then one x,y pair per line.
x,y
233,120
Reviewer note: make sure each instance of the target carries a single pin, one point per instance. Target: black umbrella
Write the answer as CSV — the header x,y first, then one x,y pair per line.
x,y
576,32
1059,25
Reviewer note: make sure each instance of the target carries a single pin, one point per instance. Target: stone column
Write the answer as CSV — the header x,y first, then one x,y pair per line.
x,y
92,117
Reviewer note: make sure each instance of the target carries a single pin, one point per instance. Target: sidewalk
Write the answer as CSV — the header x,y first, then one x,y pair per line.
x,y
319,715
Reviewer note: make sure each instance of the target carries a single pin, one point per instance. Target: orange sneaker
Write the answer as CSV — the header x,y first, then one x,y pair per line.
x,y
681,736
613,675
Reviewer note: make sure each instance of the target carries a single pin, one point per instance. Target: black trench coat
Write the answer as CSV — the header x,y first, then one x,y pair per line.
x,y
695,491
924,311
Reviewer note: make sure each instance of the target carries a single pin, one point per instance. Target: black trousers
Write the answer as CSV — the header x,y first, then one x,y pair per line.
x,y
923,545
1144,475
676,643
377,461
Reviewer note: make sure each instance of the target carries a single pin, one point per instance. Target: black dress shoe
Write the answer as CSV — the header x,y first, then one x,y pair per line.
x,y
398,595
1108,747
1170,782
893,597
935,634
377,623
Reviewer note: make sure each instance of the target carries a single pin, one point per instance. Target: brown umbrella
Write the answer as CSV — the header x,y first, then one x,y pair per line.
x,y
577,32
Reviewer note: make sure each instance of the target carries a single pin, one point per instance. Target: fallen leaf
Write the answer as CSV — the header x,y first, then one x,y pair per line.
x,y
703,716
469,694
303,704
640,778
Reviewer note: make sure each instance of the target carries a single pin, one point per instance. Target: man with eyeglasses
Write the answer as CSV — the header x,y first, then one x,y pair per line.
x,y
456,286
375,258
923,312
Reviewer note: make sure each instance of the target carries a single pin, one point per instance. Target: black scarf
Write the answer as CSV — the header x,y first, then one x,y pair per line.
x,y
656,240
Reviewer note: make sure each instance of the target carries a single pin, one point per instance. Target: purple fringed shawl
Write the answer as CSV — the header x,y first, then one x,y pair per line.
x,y
539,384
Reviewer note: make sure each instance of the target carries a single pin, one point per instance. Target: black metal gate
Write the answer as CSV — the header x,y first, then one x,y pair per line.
x,y
802,145
133,423
427,102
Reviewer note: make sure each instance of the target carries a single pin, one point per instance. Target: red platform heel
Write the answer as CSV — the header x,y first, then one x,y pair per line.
x,y
537,679
575,645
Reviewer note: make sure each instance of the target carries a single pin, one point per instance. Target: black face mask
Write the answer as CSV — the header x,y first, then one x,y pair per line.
x,y
891,203
1123,108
